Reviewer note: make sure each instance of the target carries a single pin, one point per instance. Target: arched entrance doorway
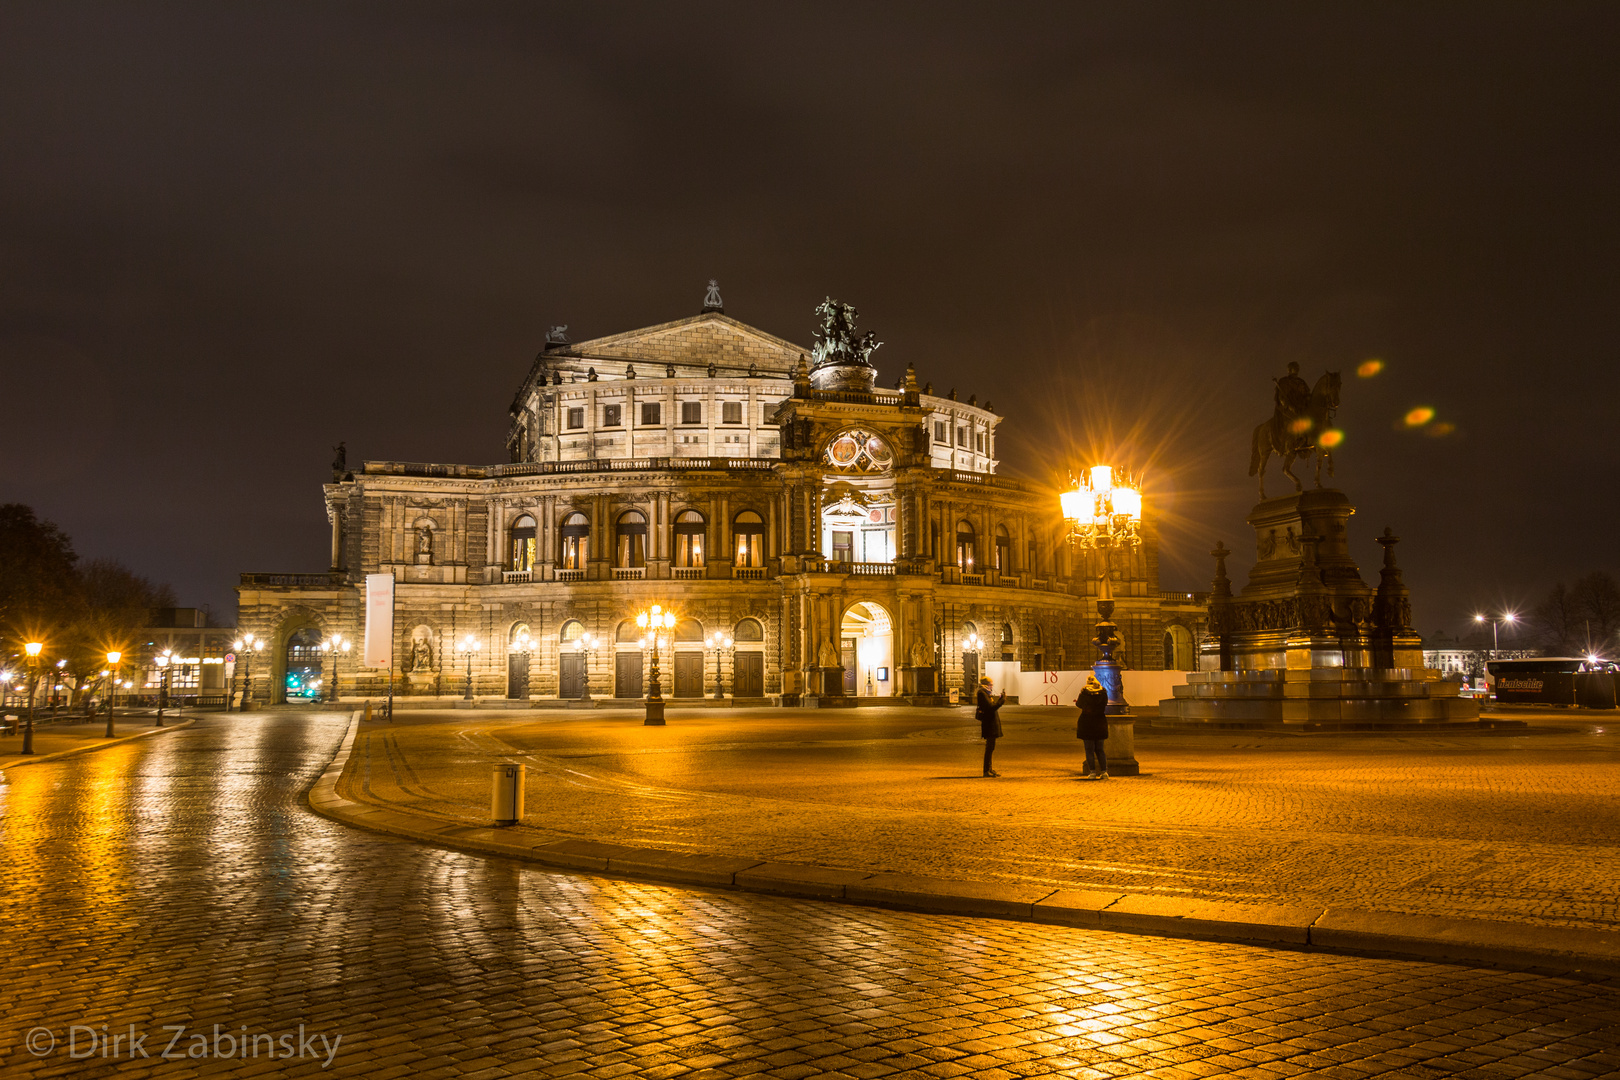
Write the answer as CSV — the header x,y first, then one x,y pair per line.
x,y
867,640
304,662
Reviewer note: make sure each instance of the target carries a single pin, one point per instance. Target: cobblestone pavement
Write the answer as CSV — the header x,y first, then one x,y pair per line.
x,y
178,882
1521,826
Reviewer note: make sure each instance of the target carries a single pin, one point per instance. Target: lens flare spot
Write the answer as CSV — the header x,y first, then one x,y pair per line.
x,y
1300,426
1440,430
1369,368
1331,438
1419,416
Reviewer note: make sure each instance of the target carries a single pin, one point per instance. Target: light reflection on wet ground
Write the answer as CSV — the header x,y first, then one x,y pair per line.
x,y
178,880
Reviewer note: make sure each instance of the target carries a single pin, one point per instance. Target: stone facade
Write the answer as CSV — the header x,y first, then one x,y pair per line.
x,y
851,541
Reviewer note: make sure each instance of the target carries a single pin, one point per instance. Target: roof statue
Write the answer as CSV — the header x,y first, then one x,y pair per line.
x,y
836,341
711,299
557,335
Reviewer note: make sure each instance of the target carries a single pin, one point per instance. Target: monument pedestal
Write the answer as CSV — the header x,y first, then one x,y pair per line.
x,y
1307,643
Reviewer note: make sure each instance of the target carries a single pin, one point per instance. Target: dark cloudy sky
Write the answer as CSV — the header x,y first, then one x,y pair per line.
x,y
233,234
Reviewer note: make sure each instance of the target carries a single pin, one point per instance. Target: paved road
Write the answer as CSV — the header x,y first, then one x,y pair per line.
x,y
176,882
1521,826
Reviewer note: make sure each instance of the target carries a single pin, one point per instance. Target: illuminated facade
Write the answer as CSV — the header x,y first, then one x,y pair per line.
x,y
849,539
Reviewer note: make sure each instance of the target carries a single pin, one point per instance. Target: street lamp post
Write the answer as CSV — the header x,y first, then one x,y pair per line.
x,y
57,684
972,644
1103,515
31,650
164,660
468,646
245,647
721,644
113,657
585,644
1496,622
655,620
335,644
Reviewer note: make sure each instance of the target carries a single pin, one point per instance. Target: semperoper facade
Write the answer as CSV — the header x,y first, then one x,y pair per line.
x,y
851,541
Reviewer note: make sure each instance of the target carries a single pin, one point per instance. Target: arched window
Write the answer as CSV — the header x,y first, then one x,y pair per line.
x,y
519,639
571,631
1006,641
748,540
688,630
1003,550
689,529
964,548
968,629
522,545
630,540
749,630
575,533
628,633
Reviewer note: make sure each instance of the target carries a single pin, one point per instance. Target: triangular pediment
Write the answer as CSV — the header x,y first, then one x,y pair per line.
x,y
709,338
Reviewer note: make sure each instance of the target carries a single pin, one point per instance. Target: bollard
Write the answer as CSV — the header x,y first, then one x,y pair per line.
x,y
506,794
367,717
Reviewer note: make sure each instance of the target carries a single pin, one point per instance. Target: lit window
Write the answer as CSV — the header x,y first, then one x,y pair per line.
x,y
576,540
522,544
748,539
941,432
689,530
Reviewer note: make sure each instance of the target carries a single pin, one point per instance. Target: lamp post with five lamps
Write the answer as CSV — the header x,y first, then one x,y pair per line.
x,y
973,643
1103,515
655,621
164,661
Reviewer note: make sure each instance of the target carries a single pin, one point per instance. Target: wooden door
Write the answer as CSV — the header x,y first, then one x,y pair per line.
x,y
749,675
689,674
970,674
571,682
517,675
627,675
847,656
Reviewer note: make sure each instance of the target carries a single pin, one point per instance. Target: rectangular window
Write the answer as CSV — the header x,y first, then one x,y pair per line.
x,y
961,436
611,415
940,432
843,544
731,412
650,413
691,412
978,440
576,418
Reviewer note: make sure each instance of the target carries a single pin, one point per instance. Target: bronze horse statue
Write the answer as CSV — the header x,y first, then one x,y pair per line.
x,y
1290,439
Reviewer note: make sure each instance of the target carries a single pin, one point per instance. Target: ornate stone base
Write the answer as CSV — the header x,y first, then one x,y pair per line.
x,y
1371,698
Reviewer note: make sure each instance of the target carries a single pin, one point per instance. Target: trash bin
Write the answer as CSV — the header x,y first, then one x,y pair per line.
x,y
506,797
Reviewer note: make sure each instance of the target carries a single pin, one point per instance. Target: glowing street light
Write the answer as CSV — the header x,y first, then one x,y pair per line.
x,y
32,650
113,658
1103,514
245,646
164,661
584,645
721,643
467,646
1496,622
655,620
335,644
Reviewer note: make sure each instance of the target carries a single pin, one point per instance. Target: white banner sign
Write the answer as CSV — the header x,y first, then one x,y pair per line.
x,y
379,651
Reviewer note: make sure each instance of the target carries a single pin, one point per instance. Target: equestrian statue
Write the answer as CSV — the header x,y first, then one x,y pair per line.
x,y
1300,415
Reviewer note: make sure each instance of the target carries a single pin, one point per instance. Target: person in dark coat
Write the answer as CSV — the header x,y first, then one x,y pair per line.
x,y
989,722
1093,727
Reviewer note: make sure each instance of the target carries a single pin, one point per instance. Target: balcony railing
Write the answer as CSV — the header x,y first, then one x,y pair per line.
x,y
748,573
868,569
570,575
517,577
973,579
688,573
629,573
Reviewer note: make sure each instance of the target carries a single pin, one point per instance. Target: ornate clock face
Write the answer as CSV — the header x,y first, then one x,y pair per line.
x,y
859,451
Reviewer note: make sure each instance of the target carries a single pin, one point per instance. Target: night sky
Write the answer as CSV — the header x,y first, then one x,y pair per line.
x,y
232,234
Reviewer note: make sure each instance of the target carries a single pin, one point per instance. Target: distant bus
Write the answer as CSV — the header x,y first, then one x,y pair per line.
x,y
1543,680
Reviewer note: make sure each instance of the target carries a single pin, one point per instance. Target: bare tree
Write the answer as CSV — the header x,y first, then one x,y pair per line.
x,y
1598,597
1558,622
